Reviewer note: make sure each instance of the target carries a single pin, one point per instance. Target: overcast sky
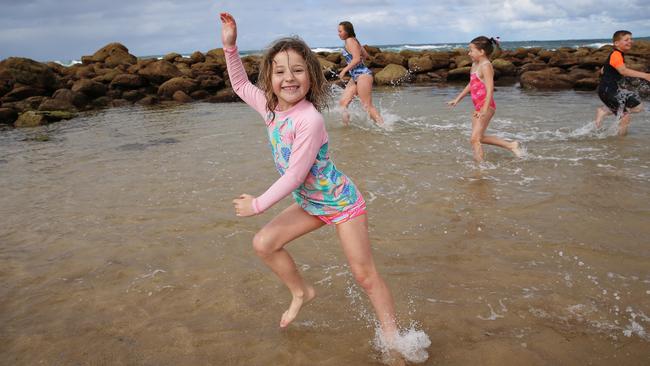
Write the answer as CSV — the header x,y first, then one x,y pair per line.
x,y
65,29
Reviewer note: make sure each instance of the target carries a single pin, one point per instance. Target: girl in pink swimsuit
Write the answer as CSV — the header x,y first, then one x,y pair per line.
x,y
291,93
481,88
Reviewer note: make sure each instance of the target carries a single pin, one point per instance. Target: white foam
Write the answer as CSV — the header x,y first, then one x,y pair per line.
x,y
411,343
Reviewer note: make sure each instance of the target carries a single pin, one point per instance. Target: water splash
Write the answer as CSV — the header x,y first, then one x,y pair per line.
x,y
411,343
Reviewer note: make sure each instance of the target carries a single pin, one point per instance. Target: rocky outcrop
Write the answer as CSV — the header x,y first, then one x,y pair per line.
x,y
33,93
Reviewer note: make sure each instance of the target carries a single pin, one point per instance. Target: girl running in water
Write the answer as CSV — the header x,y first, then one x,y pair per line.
x,y
361,77
292,90
481,87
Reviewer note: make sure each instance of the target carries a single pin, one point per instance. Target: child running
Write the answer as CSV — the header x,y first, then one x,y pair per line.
x,y
292,91
361,79
618,102
481,86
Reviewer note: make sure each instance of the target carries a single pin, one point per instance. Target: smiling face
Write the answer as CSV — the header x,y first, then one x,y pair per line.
x,y
624,43
475,53
289,78
342,33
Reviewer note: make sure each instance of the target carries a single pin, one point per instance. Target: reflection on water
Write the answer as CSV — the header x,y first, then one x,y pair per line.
x,y
118,244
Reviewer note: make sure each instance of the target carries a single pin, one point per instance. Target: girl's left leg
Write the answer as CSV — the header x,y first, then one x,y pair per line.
x,y
356,246
513,146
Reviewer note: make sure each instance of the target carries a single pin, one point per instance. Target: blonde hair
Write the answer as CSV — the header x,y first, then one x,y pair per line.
x,y
318,93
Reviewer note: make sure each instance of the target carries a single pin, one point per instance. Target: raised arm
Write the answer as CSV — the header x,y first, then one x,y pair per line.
x,y
310,136
248,92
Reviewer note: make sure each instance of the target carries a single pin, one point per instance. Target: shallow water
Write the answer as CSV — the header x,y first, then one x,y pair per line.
x,y
118,243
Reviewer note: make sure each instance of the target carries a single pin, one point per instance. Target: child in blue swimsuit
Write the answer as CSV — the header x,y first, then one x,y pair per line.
x,y
361,83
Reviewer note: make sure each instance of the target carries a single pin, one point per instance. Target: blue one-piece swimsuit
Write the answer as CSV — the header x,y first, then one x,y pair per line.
x,y
358,70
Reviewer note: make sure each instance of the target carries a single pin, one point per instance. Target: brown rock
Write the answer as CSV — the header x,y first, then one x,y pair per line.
x,y
551,78
563,59
159,71
371,50
197,57
8,115
596,59
224,95
439,59
117,103
170,87
101,102
132,95
22,92
461,73
587,84
127,81
210,82
181,97
119,57
504,67
420,64
18,70
545,55
148,100
199,94
392,74
107,76
91,88
30,119
207,68
171,57
50,104
422,79
462,61
533,67
334,57
75,98
106,51
383,59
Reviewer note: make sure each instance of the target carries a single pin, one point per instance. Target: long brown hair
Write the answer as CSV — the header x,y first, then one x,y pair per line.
x,y
348,28
318,93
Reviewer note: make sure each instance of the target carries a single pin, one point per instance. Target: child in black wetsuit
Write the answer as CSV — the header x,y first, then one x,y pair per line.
x,y
618,102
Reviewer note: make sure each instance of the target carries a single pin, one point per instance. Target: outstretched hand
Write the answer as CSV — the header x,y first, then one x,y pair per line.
x,y
244,205
452,103
228,30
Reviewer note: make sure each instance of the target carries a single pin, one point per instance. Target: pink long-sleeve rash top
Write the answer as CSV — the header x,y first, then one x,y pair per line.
x,y
299,144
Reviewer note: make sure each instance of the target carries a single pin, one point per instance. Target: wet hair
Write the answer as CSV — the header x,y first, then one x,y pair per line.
x,y
318,93
485,44
620,34
348,28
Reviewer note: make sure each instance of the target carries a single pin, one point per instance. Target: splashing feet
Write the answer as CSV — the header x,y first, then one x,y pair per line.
x,y
296,304
516,149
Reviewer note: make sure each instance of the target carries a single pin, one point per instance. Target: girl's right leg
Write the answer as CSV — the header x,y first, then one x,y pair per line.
x,y
364,88
356,246
348,94
269,244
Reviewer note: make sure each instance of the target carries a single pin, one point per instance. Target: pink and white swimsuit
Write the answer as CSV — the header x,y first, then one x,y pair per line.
x,y
478,90
299,144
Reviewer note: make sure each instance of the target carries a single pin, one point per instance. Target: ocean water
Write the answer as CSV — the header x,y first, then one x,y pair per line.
x,y
119,245
506,45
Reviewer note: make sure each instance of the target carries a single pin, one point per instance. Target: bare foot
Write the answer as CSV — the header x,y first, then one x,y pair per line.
x,y
516,149
600,114
346,117
296,303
